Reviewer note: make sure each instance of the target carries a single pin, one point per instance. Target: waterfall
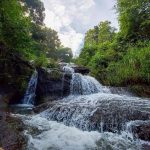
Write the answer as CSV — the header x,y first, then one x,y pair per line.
x,y
68,69
111,115
29,96
85,85
91,106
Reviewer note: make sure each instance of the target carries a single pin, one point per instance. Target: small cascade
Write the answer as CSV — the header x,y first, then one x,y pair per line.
x,y
85,85
50,135
68,69
29,96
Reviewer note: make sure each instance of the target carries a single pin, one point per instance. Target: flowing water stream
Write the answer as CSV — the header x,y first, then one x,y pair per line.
x,y
29,96
90,118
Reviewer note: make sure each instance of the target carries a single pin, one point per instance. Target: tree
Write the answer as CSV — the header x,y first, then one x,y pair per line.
x,y
90,38
64,54
100,34
14,26
51,42
106,32
134,19
36,9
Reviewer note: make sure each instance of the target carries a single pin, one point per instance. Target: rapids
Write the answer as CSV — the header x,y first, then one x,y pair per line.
x,y
92,117
50,135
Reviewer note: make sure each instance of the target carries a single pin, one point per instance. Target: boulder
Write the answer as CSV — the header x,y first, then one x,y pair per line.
x,y
141,130
82,70
11,133
52,85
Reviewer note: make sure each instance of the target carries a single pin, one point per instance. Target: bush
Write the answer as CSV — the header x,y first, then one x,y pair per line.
x,y
41,61
132,69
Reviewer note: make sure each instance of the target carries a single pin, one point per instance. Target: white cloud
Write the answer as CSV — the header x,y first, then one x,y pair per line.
x,y
72,39
72,18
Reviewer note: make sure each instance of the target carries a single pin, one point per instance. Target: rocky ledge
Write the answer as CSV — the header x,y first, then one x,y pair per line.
x,y
141,130
82,70
52,84
11,133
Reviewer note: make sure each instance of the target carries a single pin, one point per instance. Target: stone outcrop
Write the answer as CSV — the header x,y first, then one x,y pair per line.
x,y
11,133
82,70
15,73
52,85
141,130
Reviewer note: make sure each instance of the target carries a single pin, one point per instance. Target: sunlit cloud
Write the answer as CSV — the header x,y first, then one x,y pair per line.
x,y
72,18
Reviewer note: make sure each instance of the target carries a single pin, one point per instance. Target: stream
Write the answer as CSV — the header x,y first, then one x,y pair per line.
x,y
90,118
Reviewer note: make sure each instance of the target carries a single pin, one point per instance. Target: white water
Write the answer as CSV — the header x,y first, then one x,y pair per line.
x,y
86,85
51,135
68,69
29,96
89,112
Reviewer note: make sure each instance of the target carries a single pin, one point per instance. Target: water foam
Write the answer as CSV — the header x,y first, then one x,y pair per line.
x,y
86,85
29,96
56,136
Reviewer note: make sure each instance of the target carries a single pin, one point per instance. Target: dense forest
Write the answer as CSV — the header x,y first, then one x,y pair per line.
x,y
121,58
26,41
24,33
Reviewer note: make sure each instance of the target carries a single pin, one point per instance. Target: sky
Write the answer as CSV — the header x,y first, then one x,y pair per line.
x,y
73,18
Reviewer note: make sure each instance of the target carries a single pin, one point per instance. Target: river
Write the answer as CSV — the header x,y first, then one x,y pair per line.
x,y
92,117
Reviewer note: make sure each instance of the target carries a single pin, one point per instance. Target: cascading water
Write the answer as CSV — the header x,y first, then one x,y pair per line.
x,y
90,107
85,85
29,96
68,69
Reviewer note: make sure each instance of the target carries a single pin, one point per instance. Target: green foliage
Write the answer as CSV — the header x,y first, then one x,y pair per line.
x,y
15,27
41,61
134,19
121,58
52,63
95,48
23,33
86,55
36,10
134,68
64,54
100,34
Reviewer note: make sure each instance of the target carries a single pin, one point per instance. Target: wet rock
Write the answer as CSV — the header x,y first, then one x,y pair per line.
x,y
141,90
99,113
141,130
82,70
11,133
52,85
9,95
121,91
15,73
145,147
